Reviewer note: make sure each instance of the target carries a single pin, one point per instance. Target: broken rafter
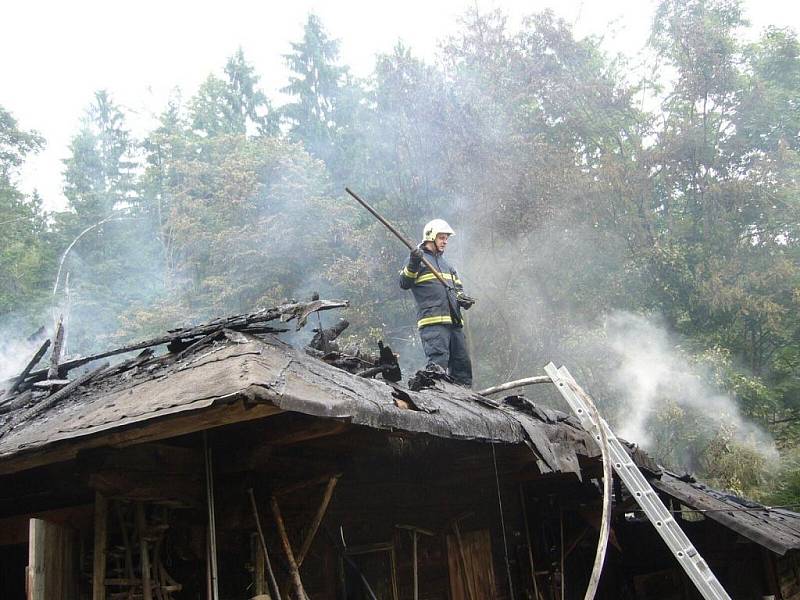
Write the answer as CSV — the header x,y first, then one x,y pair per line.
x,y
16,402
51,400
285,312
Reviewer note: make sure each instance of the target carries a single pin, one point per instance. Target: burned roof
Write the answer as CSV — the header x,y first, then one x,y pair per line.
x,y
237,369
236,375
774,528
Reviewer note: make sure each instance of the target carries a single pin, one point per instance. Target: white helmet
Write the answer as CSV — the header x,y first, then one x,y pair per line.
x,y
435,227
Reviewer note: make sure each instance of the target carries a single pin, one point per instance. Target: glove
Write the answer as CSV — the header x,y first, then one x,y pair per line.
x,y
416,255
464,301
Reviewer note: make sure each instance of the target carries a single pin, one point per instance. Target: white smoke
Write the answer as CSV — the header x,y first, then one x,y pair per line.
x,y
652,371
15,353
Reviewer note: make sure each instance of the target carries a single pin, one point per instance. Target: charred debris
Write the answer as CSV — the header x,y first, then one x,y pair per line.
x,y
34,391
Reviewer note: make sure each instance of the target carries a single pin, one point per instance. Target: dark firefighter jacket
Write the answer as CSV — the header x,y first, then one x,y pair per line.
x,y
436,304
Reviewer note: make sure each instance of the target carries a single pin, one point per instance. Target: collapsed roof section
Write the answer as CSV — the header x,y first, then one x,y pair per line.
x,y
227,366
774,528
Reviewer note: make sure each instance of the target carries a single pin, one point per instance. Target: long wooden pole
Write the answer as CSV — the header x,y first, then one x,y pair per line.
x,y
314,527
528,541
141,525
272,581
212,524
416,568
397,234
31,363
563,554
100,545
287,549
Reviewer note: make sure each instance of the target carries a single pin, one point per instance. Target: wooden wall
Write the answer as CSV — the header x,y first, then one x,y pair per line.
x,y
388,482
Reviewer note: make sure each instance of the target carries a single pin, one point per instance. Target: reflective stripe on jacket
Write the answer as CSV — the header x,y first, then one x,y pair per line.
x,y
436,305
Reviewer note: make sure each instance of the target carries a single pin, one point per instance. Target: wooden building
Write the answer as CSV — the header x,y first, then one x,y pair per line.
x,y
152,478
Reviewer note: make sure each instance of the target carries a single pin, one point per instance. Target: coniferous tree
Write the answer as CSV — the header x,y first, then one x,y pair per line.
x,y
234,105
107,239
315,86
25,253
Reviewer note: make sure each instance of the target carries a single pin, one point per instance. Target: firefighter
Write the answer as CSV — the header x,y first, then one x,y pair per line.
x,y
441,327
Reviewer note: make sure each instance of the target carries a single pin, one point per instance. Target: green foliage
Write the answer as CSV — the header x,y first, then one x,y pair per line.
x,y
25,255
232,106
315,84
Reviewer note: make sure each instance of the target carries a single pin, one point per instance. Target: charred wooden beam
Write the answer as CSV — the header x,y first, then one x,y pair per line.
x,y
323,337
55,355
51,400
16,402
317,520
285,312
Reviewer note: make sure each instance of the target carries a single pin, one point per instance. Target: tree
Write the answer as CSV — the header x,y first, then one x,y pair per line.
x,y
99,174
107,239
315,85
233,105
25,255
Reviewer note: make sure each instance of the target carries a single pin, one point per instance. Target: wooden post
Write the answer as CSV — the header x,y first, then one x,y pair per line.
x,y
528,541
36,586
287,549
563,553
141,525
272,580
100,547
416,573
55,355
212,522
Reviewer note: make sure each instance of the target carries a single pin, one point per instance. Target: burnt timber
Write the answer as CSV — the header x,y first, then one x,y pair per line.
x,y
105,480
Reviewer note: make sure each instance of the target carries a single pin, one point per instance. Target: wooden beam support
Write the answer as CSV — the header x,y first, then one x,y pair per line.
x,y
141,525
263,541
315,523
294,570
100,547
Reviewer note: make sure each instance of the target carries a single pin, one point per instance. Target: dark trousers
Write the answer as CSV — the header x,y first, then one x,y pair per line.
x,y
446,346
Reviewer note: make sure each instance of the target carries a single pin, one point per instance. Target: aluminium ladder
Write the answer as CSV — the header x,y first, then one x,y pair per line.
x,y
669,530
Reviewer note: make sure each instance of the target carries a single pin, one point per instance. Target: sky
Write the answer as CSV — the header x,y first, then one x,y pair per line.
x,y
56,54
